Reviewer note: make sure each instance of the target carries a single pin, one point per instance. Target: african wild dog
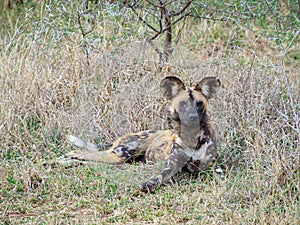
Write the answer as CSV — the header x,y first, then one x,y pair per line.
x,y
191,146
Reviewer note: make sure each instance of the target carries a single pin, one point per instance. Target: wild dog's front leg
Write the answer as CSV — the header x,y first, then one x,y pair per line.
x,y
177,160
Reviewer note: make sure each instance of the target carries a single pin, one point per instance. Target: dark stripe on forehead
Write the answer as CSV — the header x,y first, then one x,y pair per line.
x,y
191,94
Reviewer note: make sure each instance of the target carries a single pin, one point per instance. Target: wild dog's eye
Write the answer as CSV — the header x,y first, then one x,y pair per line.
x,y
182,103
199,104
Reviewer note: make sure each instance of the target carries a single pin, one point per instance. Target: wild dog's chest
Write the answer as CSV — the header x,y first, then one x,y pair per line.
x,y
203,153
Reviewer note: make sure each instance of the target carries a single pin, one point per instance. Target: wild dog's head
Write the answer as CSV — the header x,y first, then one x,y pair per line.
x,y
189,105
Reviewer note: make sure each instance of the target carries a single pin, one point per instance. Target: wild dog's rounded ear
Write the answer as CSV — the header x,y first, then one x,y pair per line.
x,y
208,86
170,86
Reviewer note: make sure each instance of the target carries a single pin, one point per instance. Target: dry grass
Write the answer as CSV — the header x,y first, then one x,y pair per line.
x,y
48,90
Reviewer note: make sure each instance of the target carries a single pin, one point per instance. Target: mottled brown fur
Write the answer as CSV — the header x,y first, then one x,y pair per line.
x,y
190,146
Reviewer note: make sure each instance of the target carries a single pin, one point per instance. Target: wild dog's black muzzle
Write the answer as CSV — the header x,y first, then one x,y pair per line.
x,y
193,116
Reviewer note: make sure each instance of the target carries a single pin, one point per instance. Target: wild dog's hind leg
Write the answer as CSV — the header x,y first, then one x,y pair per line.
x,y
101,156
92,153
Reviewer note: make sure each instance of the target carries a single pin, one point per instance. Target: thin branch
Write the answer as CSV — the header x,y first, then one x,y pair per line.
x,y
84,33
210,18
160,21
177,20
162,5
141,19
213,12
182,10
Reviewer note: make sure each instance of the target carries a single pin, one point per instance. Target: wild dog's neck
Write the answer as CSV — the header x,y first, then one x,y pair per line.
x,y
195,136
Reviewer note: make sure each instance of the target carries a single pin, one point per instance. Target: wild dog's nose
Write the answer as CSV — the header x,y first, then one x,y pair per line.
x,y
193,117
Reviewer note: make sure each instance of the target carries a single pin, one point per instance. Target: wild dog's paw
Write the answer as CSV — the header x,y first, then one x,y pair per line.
x,y
150,186
76,155
66,161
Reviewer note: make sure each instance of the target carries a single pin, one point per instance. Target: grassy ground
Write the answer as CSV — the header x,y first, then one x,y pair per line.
x,y
50,87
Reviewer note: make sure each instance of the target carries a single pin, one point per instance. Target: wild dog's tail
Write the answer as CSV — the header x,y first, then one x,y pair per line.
x,y
81,143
